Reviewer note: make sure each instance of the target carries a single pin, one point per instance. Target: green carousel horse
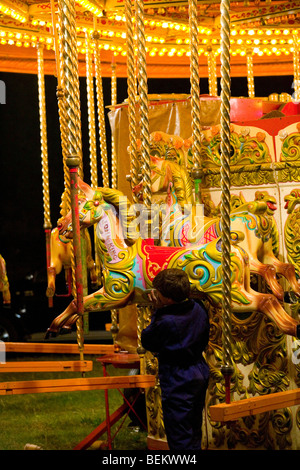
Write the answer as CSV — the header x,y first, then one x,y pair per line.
x,y
182,225
130,264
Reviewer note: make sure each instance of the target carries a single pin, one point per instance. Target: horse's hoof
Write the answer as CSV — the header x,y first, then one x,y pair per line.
x,y
50,292
65,330
50,334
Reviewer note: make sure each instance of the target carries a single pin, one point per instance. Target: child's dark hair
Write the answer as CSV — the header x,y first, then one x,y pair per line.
x,y
173,284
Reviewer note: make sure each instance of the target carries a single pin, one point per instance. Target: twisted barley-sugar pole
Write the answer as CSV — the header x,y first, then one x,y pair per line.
x,y
113,102
100,107
91,112
60,93
144,104
212,72
131,92
114,312
132,150
92,136
63,124
73,158
195,98
93,160
57,31
104,160
145,146
227,367
44,153
250,77
296,68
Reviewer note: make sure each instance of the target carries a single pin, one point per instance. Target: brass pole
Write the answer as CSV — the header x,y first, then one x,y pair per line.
x,y
250,78
60,93
296,69
61,104
113,102
101,115
145,144
93,157
131,91
144,105
91,113
227,367
73,159
44,154
92,137
212,73
195,98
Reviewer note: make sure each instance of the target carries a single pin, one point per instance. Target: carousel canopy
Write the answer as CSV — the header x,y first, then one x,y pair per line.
x,y
266,30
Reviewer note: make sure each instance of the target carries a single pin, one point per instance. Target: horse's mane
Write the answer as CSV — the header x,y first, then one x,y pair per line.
x,y
122,204
183,187
183,184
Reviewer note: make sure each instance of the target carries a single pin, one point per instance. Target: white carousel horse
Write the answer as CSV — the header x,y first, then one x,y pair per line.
x,y
131,263
182,228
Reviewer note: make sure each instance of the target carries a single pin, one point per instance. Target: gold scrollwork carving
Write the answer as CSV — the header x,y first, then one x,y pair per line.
x,y
245,150
260,349
292,228
282,424
292,240
287,171
290,149
241,175
251,159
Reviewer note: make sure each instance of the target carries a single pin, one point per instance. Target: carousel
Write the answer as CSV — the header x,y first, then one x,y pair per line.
x,y
207,183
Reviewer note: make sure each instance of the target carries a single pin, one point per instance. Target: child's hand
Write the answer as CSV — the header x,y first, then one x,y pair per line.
x,y
152,296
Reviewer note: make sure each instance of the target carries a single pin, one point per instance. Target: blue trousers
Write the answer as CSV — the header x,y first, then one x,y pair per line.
x,y
183,401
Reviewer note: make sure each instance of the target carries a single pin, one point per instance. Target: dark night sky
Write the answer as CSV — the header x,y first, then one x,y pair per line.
x,y
22,240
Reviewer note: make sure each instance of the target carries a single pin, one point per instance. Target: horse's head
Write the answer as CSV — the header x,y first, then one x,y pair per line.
x,y
89,206
157,177
166,174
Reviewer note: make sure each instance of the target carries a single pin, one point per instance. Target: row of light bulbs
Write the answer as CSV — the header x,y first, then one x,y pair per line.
x,y
12,13
31,41
277,39
122,35
208,31
179,27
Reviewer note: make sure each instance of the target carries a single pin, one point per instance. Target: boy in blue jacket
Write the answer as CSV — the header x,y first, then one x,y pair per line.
x,y
178,334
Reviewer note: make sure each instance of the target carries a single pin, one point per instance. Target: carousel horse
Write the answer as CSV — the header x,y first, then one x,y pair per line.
x,y
60,257
4,284
130,264
182,227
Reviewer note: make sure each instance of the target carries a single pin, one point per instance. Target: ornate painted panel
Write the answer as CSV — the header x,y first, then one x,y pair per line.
x,y
264,166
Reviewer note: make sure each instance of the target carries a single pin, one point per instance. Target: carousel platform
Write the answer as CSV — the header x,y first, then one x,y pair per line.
x,y
94,337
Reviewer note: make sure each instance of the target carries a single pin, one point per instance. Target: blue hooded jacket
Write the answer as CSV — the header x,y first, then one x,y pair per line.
x,y
178,335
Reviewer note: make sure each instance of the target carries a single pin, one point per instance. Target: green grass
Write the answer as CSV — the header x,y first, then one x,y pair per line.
x,y
59,421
